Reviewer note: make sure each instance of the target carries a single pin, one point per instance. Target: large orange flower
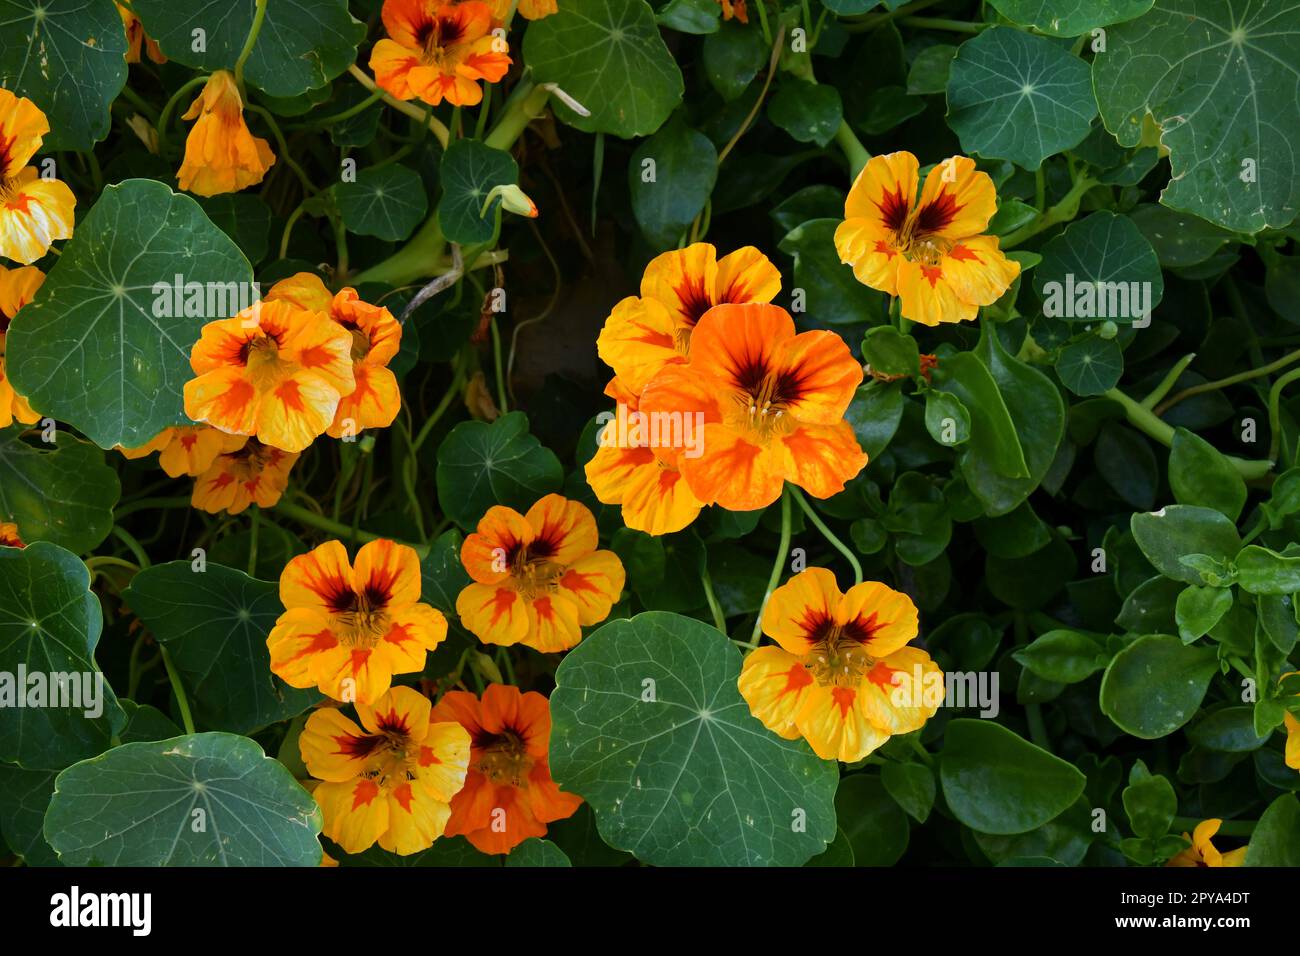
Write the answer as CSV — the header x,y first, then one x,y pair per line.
x,y
509,795
275,371
34,211
773,404
636,470
348,630
840,675
136,37
221,155
643,334
376,338
1202,852
17,286
252,473
392,781
438,51
9,537
187,449
930,253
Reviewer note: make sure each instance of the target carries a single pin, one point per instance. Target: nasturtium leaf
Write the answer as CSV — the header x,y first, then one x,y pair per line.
x,y
215,622
101,346
1276,840
838,853
481,465
1070,18
649,727
1090,366
1064,656
1199,474
1262,571
536,853
946,418
144,722
1228,729
670,177
55,705
1167,535
874,415
1016,534
1149,802
67,57
61,492
387,203
608,55
874,823
442,575
809,112
930,68
1277,618
912,786
1179,238
138,805
690,16
245,218
1198,609
832,295
22,812
890,352
995,781
1018,97
732,58
1155,685
469,171
1217,80
303,44
1101,267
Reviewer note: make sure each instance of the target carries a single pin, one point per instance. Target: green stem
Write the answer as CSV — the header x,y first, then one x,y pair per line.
x,y
421,256
1275,412
1166,383
141,104
254,525
938,23
854,151
288,229
348,113
783,551
181,700
417,114
337,528
443,405
132,545
1217,384
259,15
835,542
308,186
719,619
503,403
1063,211
149,504
525,104
876,19
164,118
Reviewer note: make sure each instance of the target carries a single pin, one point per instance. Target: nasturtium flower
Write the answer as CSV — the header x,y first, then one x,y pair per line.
x,y
735,9
509,795
221,155
9,537
647,332
34,211
528,9
275,370
136,37
643,478
773,405
348,629
932,253
841,674
17,286
537,578
1292,727
1203,853
187,449
390,780
251,474
376,338
438,51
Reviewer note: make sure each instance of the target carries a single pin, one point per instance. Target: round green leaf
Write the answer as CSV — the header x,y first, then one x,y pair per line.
x,y
1155,685
50,623
1198,609
67,57
92,349
912,787
1101,267
997,782
890,352
245,218
1261,571
470,171
1228,729
649,727
388,202
875,825
215,622
608,55
60,492
1090,366
481,465
1276,840
1199,474
22,813
1066,657
1018,97
994,444
200,800
831,294
303,44
1165,536
1070,19
809,112
946,418
670,177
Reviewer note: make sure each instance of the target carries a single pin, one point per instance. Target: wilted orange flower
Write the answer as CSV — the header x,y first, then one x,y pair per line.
x,y
538,578
1203,853
187,449
528,9
34,211
17,286
221,155
509,795
773,406
348,630
932,253
643,334
252,473
840,675
631,470
9,537
275,371
438,51
376,338
135,37
391,782
734,9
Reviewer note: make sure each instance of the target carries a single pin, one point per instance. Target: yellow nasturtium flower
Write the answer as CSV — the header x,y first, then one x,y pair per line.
x,y
528,9
1203,853
221,155
1292,725
34,211
187,449
17,286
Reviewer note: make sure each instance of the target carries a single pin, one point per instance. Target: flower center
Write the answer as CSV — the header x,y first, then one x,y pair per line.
x,y
12,196
360,343
262,359
532,576
394,762
504,759
838,660
438,36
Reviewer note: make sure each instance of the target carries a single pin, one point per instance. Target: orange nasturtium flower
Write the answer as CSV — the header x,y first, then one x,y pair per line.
x,y
509,795
135,38
647,332
538,578
376,338
840,674
275,370
773,406
734,9
528,9
17,286
391,782
34,211
1203,853
187,449
931,253
438,51
221,155
252,473
9,537
348,630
